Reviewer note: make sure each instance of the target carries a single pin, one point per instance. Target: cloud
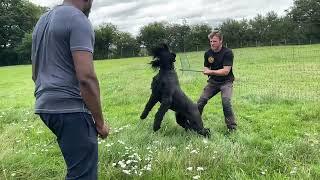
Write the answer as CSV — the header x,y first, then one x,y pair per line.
x,y
131,15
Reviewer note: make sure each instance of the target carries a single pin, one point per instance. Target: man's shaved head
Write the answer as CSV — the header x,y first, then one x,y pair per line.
x,y
83,5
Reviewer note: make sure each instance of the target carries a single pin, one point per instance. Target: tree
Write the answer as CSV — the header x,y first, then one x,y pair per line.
x,y
126,45
24,50
17,18
153,34
287,29
104,39
231,30
306,13
178,36
259,28
273,26
198,37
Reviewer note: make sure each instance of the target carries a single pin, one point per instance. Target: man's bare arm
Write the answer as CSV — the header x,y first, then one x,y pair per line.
x,y
220,72
89,88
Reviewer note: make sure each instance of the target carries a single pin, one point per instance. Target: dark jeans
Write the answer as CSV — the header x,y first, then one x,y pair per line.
x,y
77,138
226,93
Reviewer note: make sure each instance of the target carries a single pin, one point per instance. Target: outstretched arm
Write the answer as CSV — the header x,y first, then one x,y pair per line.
x,y
220,72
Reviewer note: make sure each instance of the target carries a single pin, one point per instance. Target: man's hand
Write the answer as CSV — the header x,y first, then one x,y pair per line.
x,y
206,71
89,88
220,72
103,131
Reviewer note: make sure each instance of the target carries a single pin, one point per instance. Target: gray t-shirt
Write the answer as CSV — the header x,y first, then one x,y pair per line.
x,y
57,34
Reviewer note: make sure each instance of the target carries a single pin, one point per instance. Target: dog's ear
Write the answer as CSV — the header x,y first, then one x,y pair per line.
x,y
165,46
156,51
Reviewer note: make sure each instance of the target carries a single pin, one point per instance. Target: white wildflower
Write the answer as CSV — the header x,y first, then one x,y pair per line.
x,y
190,168
293,171
108,145
148,167
194,152
128,162
126,171
200,168
121,142
196,177
122,164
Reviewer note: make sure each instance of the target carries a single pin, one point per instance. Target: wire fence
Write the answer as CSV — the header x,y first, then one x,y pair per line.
x,y
286,72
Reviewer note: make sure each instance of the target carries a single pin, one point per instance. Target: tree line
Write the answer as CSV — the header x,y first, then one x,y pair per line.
x,y
299,25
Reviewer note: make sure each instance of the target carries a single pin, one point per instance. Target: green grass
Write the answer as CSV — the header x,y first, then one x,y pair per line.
x,y
276,101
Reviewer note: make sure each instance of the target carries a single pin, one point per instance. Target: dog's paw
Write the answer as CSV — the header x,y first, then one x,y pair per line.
x,y
205,132
156,127
143,116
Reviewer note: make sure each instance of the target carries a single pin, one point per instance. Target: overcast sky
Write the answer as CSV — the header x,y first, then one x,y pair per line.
x,y
130,15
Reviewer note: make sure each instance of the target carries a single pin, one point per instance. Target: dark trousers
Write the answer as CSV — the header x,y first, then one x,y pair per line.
x,y
77,138
226,94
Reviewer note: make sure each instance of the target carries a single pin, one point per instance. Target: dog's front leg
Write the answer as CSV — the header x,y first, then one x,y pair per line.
x,y
152,101
164,107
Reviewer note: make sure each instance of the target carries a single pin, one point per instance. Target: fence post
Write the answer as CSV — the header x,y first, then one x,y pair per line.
x,y
293,53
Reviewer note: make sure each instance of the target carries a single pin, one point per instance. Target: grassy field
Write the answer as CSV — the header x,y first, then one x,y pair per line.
x,y
276,101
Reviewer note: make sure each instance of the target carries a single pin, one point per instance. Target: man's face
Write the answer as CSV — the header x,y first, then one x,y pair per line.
x,y
215,43
87,7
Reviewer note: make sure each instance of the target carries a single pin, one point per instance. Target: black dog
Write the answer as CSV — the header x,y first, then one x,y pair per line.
x,y
166,90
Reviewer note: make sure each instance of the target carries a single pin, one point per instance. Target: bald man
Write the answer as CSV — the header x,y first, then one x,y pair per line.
x,y
66,87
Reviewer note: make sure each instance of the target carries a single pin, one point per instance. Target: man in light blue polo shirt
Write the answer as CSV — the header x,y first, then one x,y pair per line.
x,y
66,87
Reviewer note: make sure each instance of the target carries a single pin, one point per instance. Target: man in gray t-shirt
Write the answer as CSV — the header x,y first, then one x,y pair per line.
x,y
66,87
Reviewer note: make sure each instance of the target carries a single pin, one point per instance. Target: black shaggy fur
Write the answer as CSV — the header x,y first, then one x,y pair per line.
x,y
166,90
